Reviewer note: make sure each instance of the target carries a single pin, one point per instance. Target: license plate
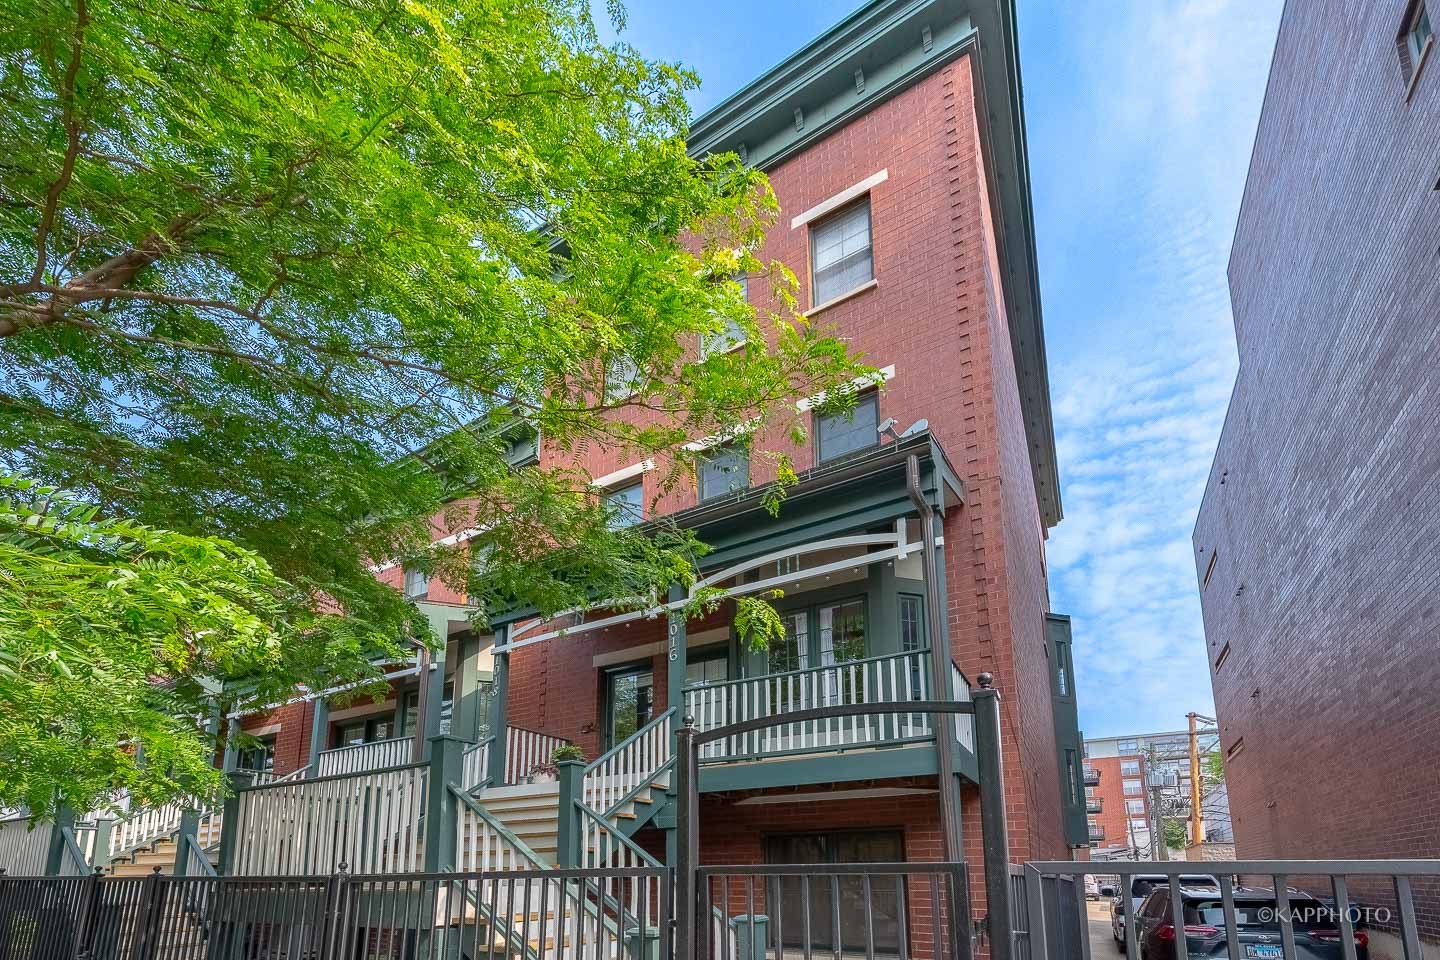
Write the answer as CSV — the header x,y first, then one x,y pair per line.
x,y
1264,951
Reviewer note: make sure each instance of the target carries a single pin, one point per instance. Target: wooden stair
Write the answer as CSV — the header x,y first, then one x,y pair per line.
x,y
641,808
531,811
143,861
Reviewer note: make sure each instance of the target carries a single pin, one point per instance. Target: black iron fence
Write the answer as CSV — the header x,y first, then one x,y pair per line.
x,y
519,915
911,911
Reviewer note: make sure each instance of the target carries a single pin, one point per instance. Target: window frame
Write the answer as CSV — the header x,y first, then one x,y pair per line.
x,y
1413,50
406,587
814,229
868,397
712,454
608,678
608,494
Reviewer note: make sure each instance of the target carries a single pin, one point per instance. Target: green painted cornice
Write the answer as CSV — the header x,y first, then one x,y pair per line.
x,y
867,58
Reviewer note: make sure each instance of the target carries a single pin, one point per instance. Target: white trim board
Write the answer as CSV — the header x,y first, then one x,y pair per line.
x,y
623,474
841,198
883,375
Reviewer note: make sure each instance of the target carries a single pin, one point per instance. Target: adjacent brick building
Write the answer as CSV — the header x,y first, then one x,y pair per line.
x,y
1315,547
900,132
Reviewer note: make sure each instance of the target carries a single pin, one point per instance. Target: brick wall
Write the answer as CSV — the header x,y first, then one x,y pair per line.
x,y
1111,791
1323,504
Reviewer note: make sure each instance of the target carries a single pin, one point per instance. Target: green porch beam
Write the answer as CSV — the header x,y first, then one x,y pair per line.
x,y
914,761
499,708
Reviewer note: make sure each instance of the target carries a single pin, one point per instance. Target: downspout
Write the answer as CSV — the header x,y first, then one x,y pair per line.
x,y
939,665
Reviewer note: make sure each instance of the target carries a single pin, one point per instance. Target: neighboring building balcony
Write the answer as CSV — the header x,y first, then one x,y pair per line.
x,y
1093,805
1092,777
1096,833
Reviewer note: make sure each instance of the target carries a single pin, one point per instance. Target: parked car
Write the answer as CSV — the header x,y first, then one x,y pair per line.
x,y
1092,888
1257,927
1140,886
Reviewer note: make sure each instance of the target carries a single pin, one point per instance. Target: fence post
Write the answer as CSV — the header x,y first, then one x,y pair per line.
x,y
188,833
152,900
567,848
235,781
55,852
446,759
85,932
687,857
995,836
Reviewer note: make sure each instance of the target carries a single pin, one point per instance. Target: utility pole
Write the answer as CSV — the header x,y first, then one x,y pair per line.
x,y
1197,819
1157,833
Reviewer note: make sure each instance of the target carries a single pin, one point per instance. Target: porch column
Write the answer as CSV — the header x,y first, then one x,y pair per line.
x,y
465,724
319,731
499,713
432,696
994,829
676,658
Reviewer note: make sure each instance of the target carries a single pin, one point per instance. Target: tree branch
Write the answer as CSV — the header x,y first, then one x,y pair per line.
x,y
72,144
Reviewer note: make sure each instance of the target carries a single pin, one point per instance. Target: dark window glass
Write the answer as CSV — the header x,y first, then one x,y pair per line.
x,y
259,757
842,433
709,667
627,505
630,700
840,252
1420,31
724,470
858,920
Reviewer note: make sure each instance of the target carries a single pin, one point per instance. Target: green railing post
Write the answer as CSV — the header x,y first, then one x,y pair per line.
x,y
499,720
55,852
319,731
188,833
104,827
994,829
235,781
441,816
567,847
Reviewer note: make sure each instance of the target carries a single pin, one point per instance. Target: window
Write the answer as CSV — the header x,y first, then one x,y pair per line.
x,y
732,336
622,378
1134,788
410,710
629,702
259,757
365,730
835,904
1135,807
1129,768
912,640
1089,793
1128,746
1209,570
724,470
417,584
1224,655
842,433
626,505
840,253
1416,35
709,666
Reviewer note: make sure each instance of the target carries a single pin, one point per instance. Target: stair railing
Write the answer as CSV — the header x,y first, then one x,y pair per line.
x,y
625,768
527,749
475,765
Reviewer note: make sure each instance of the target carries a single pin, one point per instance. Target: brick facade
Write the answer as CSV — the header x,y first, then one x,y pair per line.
x,y
1323,506
1113,818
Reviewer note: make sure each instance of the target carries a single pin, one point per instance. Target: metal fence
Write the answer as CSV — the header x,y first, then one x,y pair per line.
x,y
496,916
1242,909
914,911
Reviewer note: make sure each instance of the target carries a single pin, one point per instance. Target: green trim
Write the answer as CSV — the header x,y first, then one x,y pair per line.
x,y
870,764
814,92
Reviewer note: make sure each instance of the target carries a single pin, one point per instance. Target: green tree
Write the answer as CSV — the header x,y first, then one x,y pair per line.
x,y
123,642
295,274
1174,833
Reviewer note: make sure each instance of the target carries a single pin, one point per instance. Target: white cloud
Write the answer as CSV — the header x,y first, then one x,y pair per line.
x,y
1138,212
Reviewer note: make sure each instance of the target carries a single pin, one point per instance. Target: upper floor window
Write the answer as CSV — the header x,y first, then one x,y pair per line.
x,y
1130,768
840,257
622,378
626,505
1128,746
1415,38
842,433
732,336
417,584
724,470
1134,788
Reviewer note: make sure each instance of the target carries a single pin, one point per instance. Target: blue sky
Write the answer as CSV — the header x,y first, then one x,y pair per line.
x,y
1141,116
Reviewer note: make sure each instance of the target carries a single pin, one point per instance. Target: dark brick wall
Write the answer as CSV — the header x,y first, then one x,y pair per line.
x,y
1323,505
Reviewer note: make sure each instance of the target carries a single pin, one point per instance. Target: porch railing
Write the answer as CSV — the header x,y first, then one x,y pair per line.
x,y
630,764
889,679
369,821
364,757
964,722
527,749
22,849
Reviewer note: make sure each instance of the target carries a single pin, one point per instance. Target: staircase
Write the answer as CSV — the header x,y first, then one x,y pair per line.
x,y
160,852
530,811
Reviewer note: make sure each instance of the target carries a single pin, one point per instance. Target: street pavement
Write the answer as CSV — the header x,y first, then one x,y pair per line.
x,y
1102,944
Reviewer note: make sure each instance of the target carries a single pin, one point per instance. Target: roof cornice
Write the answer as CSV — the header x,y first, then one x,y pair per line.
x,y
883,48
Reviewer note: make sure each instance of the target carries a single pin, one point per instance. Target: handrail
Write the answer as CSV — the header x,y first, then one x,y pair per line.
x,y
629,765
630,846
287,781
355,757
475,764
73,862
703,685
196,857
521,846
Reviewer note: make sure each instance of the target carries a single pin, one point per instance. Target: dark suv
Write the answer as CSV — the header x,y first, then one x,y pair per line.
x,y
1317,933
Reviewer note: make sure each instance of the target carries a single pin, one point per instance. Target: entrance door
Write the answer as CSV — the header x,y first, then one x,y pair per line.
x,y
629,703
808,669
836,903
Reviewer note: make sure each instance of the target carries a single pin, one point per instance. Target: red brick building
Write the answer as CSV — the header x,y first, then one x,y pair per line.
x,y
1117,803
1315,543
895,144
